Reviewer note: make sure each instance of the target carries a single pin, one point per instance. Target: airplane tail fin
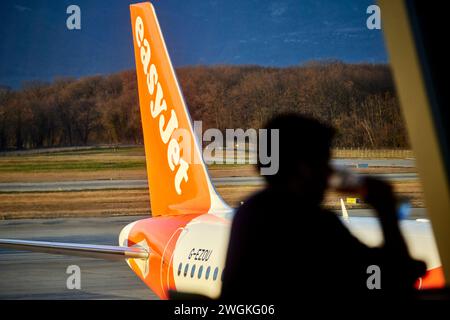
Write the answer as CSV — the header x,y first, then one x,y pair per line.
x,y
177,176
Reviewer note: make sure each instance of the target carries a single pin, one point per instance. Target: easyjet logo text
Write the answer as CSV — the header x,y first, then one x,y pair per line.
x,y
165,115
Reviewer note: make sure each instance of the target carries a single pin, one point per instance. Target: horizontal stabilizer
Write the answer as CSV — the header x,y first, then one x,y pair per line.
x,y
76,249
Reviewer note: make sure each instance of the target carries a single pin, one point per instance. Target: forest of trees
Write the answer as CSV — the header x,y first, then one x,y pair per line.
x,y
358,99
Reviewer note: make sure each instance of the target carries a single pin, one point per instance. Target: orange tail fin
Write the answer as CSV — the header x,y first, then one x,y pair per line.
x,y
177,176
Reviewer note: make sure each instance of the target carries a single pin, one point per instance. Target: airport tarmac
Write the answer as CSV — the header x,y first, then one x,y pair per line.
x,y
139,184
350,162
27,275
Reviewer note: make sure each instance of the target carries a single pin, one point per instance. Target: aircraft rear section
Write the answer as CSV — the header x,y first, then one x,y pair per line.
x,y
183,250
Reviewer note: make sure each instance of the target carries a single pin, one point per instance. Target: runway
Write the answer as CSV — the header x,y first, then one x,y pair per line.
x,y
349,162
140,184
396,163
27,275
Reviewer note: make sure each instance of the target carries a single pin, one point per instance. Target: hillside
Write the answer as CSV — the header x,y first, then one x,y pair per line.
x,y
358,99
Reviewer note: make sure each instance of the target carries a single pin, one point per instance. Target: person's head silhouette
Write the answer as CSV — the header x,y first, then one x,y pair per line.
x,y
304,154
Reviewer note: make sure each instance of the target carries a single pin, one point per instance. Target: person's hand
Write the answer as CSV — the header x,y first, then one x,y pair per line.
x,y
380,196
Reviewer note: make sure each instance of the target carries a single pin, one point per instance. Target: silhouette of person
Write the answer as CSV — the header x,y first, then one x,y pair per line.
x,y
281,239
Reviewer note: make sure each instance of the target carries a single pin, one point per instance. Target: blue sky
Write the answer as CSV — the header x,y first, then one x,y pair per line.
x,y
36,45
